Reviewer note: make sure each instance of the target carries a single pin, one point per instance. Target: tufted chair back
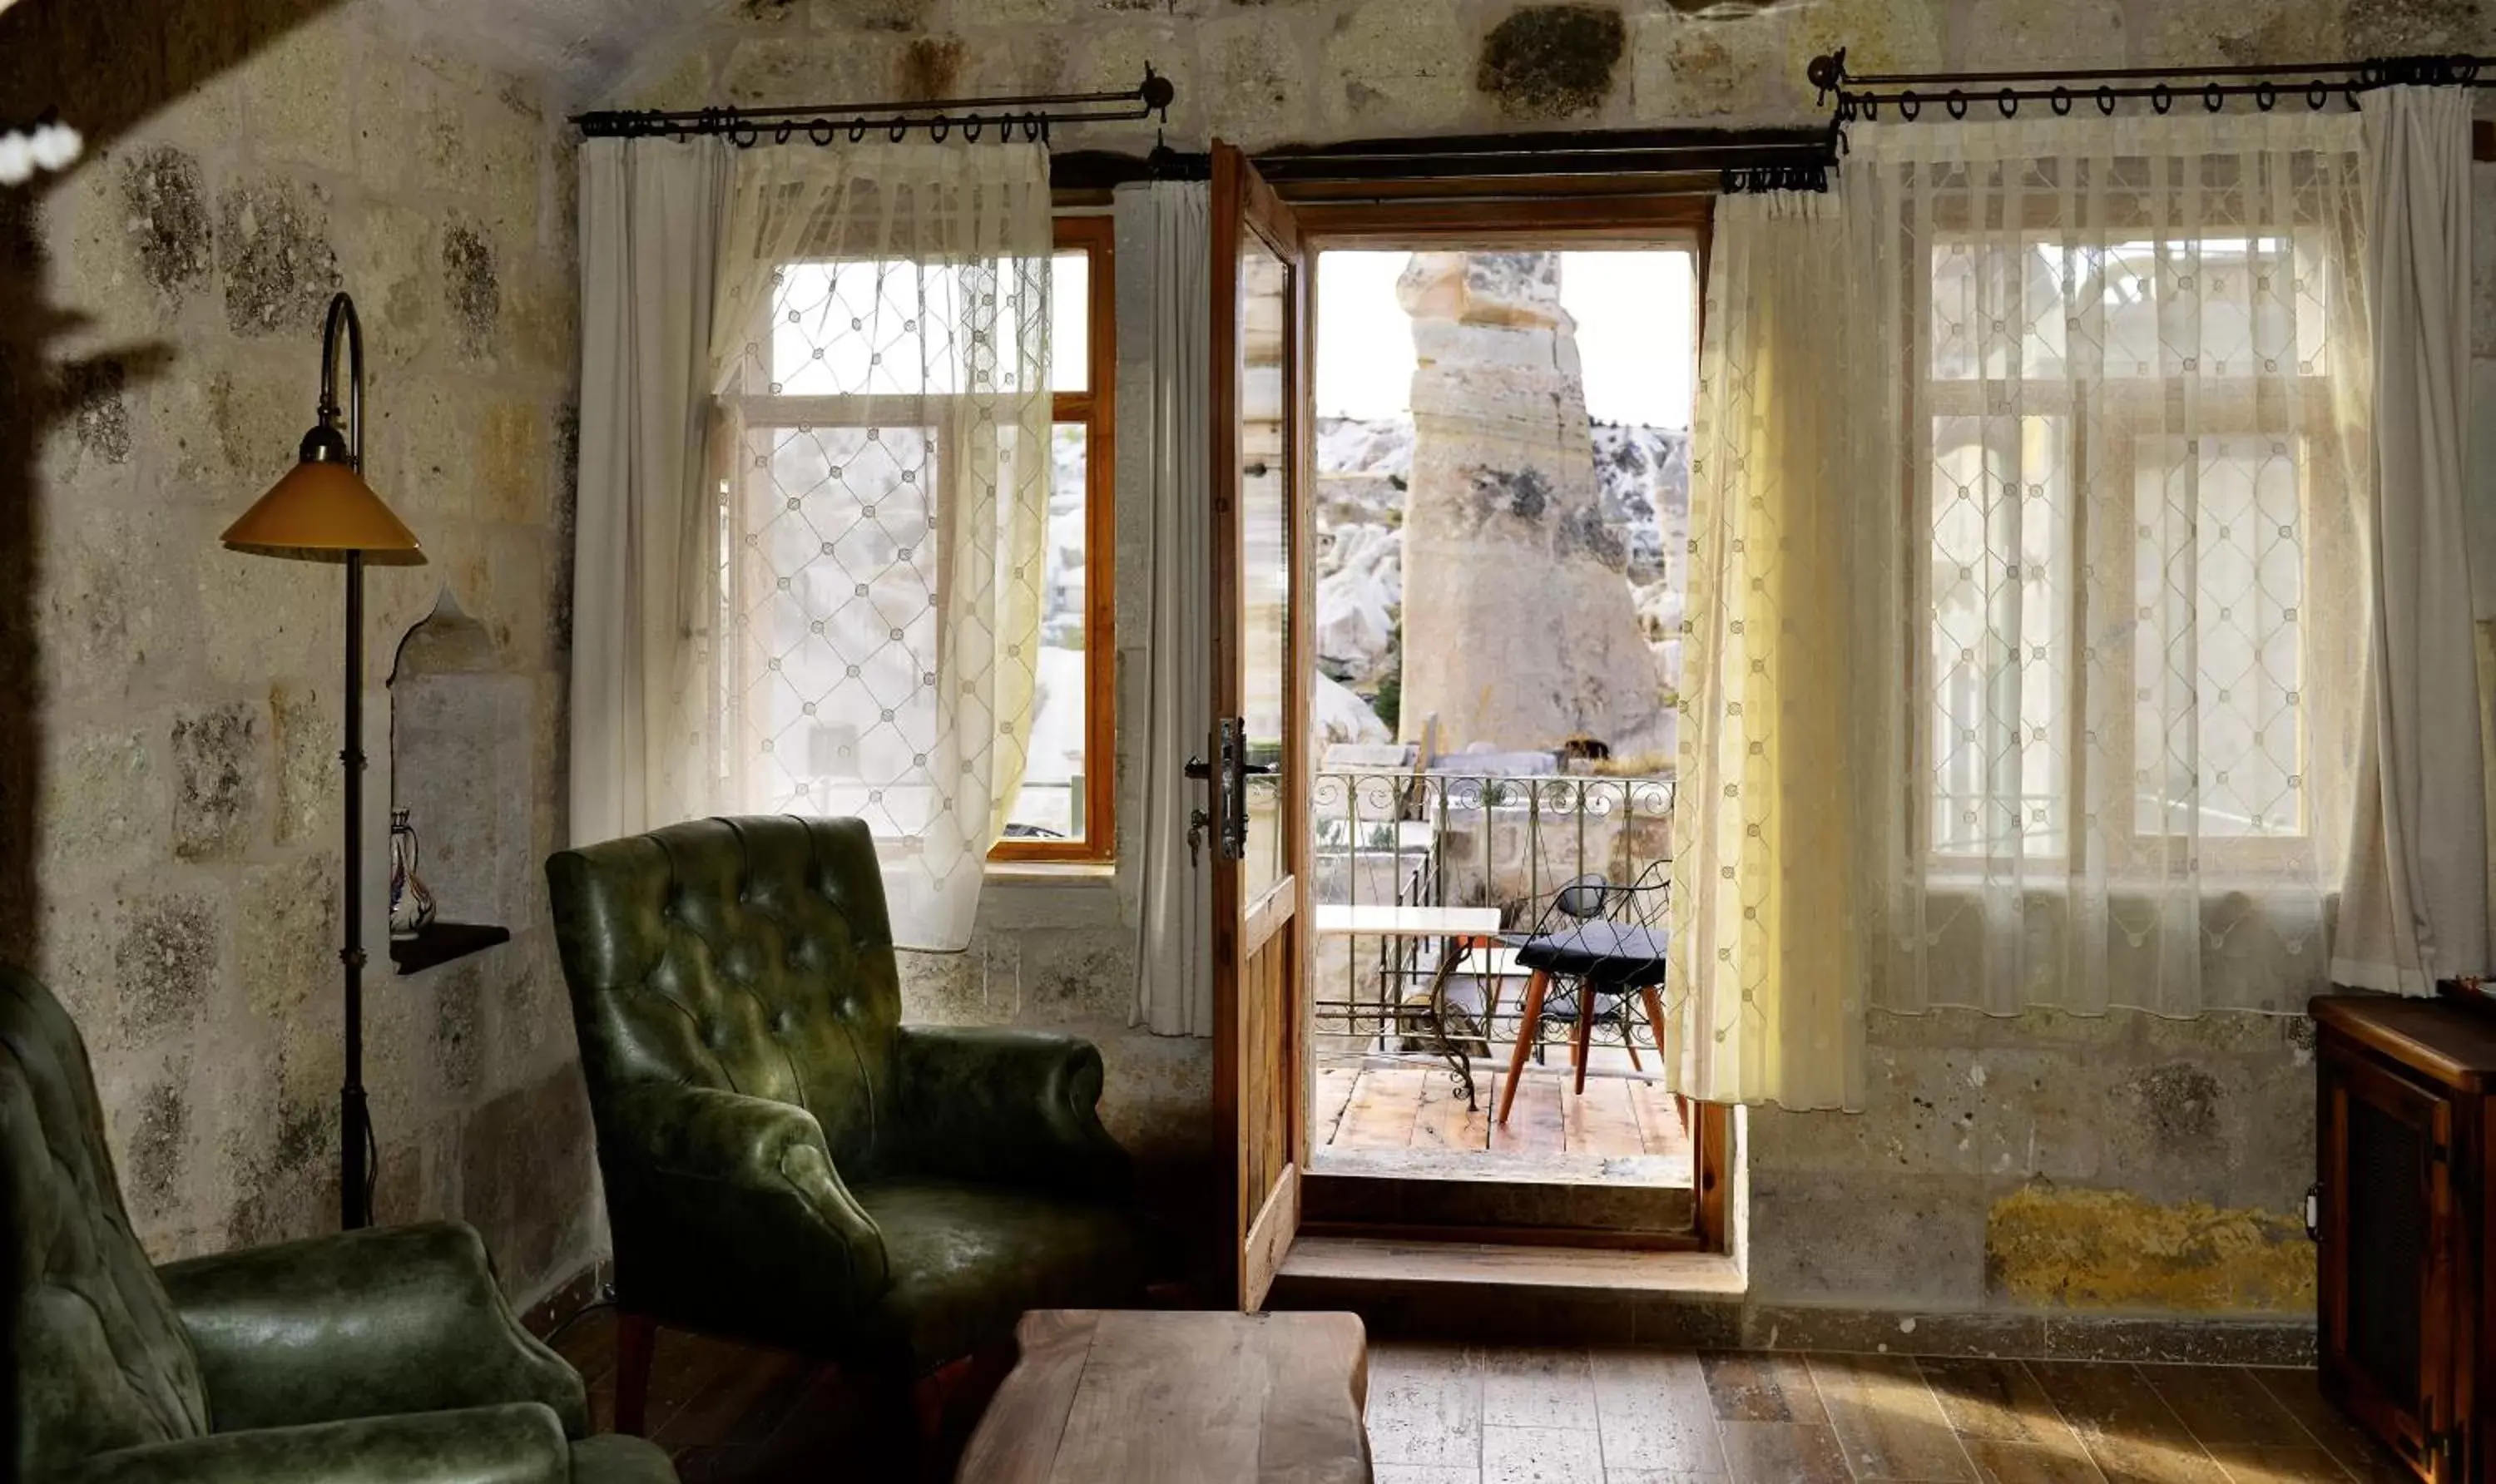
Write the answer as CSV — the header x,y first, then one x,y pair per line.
x,y
752,955
96,1356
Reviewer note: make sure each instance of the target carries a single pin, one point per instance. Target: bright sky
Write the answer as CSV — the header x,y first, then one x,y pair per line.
x,y
1634,313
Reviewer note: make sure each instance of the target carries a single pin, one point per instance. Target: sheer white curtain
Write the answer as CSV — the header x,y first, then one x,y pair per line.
x,y
1170,417
2132,366
882,448
645,543
2415,906
1788,593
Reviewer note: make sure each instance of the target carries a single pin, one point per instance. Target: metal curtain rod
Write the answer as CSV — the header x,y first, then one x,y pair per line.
x,y
2316,85
1027,117
1759,160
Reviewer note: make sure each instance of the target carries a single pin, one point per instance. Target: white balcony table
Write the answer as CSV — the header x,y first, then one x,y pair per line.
x,y
1459,929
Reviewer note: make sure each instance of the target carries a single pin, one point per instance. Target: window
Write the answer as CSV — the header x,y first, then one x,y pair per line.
x,y
2127,512
835,511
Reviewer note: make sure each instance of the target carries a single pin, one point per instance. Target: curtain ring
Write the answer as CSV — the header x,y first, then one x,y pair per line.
x,y
2265,95
971,129
1871,109
821,132
2105,100
901,130
2161,99
2214,98
744,136
939,127
1909,106
2062,102
2317,94
2009,103
1957,103
858,130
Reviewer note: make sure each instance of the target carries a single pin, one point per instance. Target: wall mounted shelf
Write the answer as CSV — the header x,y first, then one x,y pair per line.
x,y
439,943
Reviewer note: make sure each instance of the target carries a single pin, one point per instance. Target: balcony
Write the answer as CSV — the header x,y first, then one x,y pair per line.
x,y
1388,1095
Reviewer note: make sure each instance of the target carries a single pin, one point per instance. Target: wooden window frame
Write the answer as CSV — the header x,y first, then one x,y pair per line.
x,y
1095,410
1557,222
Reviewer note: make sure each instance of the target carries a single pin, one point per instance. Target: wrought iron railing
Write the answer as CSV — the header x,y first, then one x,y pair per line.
x,y
1444,839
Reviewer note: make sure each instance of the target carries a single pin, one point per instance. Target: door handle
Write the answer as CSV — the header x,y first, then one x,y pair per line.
x,y
1229,773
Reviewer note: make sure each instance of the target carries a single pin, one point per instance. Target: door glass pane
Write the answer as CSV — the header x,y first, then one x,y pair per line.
x,y
1265,554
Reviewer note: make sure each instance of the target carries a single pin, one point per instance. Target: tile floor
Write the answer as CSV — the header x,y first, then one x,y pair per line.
x,y
1446,1414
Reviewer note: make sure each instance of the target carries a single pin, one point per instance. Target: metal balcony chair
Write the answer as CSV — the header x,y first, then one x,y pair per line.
x,y
1603,946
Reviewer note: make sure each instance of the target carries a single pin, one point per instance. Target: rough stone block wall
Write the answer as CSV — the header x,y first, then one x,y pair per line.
x,y
175,875
2118,1163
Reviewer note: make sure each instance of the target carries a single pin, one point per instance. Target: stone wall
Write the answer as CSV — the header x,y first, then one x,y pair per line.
x,y
2017,1167
174,869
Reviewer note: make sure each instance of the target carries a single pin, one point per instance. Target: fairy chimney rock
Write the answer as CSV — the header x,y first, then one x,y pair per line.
x,y
1520,628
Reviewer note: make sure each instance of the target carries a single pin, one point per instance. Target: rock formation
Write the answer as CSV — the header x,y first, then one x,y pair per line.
x,y
1520,628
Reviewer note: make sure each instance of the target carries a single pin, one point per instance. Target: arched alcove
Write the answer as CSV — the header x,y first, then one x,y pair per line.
x,y
460,743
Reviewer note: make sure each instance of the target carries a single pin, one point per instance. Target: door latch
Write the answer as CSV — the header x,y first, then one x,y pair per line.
x,y
1197,823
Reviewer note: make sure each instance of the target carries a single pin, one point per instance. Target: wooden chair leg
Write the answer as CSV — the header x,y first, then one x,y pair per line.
x,y
1529,1019
1586,1044
636,1336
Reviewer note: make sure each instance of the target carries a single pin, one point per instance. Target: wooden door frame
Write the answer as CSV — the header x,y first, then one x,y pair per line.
x,y
1241,202
1590,220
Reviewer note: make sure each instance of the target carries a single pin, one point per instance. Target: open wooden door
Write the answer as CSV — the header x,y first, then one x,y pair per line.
x,y
1258,763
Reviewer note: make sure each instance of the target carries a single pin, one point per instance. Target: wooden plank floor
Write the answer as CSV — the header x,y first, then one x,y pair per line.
x,y
1451,1414
1621,1130
1444,1415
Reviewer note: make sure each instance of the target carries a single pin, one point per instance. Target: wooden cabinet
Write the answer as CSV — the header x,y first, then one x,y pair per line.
x,y
2404,1118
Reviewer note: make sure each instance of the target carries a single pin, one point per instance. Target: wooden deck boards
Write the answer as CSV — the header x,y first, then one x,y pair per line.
x,y
1411,1119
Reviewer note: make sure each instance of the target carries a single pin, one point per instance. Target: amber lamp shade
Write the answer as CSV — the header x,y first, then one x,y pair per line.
x,y
321,510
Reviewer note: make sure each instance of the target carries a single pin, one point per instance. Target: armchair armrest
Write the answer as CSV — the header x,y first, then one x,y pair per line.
x,y
516,1445
724,1178
1014,1107
362,1324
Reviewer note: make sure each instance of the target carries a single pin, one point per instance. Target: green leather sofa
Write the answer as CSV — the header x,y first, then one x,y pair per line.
x,y
385,1356
785,1162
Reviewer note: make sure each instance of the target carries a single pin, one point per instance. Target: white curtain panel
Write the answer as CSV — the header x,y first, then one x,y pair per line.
x,y
2131,369
880,348
1169,416
1789,577
2414,907
651,213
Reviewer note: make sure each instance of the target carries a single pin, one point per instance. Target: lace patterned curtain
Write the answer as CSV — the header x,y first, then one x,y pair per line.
x,y
882,448
2128,366
1790,584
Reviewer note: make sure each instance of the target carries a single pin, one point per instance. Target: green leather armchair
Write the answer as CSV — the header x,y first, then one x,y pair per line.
x,y
785,1162
385,1356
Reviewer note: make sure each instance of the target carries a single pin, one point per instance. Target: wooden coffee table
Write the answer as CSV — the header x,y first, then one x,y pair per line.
x,y
1178,1398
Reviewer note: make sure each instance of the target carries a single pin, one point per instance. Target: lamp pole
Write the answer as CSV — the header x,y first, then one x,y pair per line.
x,y
323,510
355,1188
355,1125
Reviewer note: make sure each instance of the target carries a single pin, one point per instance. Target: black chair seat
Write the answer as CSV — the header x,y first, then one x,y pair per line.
x,y
1612,956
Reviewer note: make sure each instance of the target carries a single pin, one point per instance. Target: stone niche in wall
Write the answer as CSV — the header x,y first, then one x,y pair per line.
x,y
459,738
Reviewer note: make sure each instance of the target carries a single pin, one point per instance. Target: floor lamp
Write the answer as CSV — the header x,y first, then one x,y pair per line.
x,y
323,511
